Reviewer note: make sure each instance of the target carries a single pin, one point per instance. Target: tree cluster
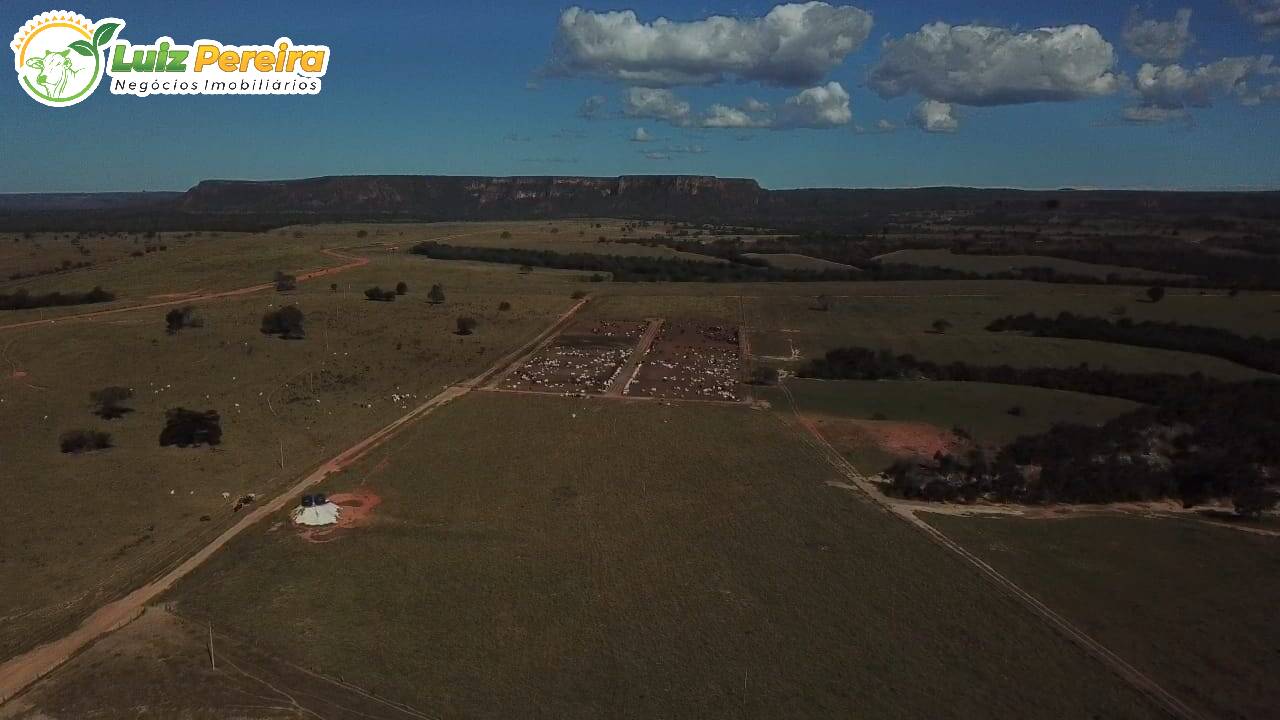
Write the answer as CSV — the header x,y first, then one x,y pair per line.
x,y
285,322
22,300
1256,352
187,428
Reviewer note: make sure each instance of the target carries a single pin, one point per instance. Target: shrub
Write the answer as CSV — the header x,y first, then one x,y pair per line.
x,y
380,295
285,282
466,325
1015,411
110,401
78,441
187,428
401,288
179,318
1155,294
436,296
578,294
504,306
362,233
285,322
506,235
764,376
333,287
940,326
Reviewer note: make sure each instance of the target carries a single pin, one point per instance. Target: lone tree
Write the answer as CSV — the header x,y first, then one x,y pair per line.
x,y
178,318
401,288
285,322
187,428
940,326
333,287
504,306
78,441
436,296
285,282
1252,501
380,295
110,402
1156,294
466,325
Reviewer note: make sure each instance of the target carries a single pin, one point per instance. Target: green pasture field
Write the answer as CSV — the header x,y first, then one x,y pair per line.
x,y
1188,603
593,558
979,408
83,528
1002,263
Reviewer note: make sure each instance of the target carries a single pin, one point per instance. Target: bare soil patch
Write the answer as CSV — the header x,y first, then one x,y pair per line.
x,y
901,439
357,511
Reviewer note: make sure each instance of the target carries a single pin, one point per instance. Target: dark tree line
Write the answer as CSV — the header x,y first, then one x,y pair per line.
x,y
630,268
285,322
856,363
1194,439
1256,352
186,428
22,300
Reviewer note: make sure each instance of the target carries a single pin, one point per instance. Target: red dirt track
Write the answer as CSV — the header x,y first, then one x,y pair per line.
x,y
353,262
20,672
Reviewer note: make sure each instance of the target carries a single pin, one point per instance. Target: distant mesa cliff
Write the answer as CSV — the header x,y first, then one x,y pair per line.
x,y
466,198
256,205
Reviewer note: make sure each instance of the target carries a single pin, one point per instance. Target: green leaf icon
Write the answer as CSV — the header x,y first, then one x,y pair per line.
x,y
82,47
104,33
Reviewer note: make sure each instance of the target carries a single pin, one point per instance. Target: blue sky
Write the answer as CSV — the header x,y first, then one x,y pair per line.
x,y
442,88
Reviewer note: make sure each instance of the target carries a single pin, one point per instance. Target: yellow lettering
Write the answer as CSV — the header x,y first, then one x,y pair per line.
x,y
313,61
280,58
228,61
264,62
294,57
205,55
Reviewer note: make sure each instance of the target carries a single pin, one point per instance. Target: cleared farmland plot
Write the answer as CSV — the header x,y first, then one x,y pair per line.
x,y
1186,602
690,362
592,559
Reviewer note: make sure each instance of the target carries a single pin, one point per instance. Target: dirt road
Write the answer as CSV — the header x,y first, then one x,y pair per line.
x,y
1135,677
352,262
20,672
632,366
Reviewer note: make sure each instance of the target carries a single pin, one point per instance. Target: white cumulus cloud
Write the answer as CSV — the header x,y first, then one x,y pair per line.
x,y
935,117
825,106
1166,92
792,45
1159,40
641,136
655,103
819,107
1264,14
1173,86
1152,115
981,65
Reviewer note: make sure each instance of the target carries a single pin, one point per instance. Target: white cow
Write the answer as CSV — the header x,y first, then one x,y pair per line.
x,y
55,71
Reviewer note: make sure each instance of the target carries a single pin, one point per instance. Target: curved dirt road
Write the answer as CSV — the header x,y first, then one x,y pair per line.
x,y
20,672
353,262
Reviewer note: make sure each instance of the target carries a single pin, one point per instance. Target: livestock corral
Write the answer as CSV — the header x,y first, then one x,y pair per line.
x,y
642,360
585,359
690,361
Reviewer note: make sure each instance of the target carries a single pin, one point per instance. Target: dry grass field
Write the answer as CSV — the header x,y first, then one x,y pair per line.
x,y
587,558
568,557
